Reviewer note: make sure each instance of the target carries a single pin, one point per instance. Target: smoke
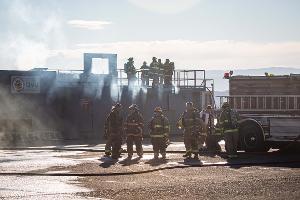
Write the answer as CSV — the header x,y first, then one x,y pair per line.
x,y
115,91
25,121
33,32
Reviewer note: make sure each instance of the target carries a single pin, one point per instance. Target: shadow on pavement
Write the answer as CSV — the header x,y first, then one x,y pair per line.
x,y
156,162
128,162
107,162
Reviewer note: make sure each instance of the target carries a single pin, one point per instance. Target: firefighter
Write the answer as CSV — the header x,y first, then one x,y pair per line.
x,y
130,70
145,73
114,131
134,131
160,71
159,133
154,72
211,134
229,123
168,72
192,124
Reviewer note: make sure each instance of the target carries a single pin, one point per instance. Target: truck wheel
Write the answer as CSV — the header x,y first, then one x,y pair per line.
x,y
251,138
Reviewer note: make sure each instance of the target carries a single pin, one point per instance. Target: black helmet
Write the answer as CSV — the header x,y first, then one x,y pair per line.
x,y
117,106
134,107
225,105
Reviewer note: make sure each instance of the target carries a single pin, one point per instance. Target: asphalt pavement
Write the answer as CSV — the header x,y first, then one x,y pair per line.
x,y
82,172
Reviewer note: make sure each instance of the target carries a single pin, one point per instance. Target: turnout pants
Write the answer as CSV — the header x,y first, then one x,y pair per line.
x,y
191,143
159,145
137,140
231,141
212,143
201,141
108,145
116,142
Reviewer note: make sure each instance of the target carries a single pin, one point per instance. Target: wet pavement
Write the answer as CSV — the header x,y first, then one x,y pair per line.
x,y
81,171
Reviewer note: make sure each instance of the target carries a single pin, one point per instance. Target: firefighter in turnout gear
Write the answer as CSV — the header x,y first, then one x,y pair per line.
x,y
160,72
212,136
145,73
192,124
229,123
154,72
130,69
114,131
168,72
134,131
159,133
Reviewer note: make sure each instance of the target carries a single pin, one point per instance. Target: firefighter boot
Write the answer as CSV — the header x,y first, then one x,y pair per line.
x,y
196,156
187,155
163,155
155,155
129,156
140,153
107,154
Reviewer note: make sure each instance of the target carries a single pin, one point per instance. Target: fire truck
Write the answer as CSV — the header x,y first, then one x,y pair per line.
x,y
269,107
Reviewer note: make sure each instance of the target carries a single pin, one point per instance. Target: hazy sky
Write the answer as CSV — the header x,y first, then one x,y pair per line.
x,y
209,34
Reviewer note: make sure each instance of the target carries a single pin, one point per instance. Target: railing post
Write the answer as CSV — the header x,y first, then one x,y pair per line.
x,y
195,78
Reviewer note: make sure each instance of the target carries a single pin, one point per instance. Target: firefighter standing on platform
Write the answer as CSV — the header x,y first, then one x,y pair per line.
x,y
154,72
160,72
145,73
168,72
229,123
134,131
130,69
114,131
159,133
192,124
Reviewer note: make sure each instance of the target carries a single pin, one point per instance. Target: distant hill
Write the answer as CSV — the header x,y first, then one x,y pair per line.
x,y
222,84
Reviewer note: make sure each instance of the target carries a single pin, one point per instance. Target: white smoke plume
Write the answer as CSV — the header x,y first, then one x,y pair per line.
x,y
33,35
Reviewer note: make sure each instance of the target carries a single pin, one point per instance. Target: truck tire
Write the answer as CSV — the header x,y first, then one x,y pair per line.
x,y
251,137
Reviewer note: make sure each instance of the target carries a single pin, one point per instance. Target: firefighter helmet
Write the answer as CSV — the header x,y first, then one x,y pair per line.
x,y
158,109
117,106
189,103
134,107
225,105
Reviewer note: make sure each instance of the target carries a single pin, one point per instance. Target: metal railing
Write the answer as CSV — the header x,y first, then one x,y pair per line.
x,y
263,102
181,79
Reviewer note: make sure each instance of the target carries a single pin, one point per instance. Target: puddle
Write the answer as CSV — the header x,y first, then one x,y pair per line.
x,y
22,161
12,186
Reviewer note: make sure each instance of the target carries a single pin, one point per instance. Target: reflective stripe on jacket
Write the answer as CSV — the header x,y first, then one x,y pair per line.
x,y
159,126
